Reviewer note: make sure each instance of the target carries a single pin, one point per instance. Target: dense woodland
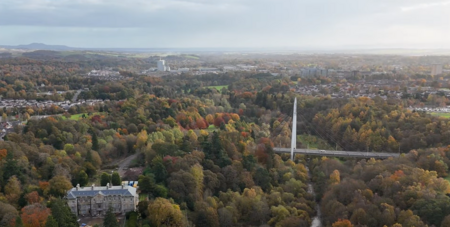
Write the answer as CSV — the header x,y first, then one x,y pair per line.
x,y
207,155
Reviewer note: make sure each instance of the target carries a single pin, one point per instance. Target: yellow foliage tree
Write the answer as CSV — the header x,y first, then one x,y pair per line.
x,y
163,213
335,177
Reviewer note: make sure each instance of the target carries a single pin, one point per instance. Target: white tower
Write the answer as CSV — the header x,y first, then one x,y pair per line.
x,y
161,65
294,130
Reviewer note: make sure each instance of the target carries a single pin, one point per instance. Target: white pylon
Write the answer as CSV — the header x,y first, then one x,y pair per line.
x,y
294,130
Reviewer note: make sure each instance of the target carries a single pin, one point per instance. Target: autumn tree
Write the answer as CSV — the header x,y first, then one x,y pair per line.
x,y
163,213
32,197
35,215
13,190
335,177
342,223
8,214
59,185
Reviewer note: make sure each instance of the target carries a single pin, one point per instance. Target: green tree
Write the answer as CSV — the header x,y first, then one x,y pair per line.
x,y
116,179
159,169
89,156
110,219
249,162
82,178
62,213
90,169
19,222
51,222
146,183
262,178
11,167
105,179
95,145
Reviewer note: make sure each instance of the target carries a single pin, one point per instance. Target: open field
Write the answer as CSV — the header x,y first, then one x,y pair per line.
x,y
218,87
313,142
440,114
77,117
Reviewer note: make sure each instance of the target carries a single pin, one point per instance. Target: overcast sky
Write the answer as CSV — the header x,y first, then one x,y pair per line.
x,y
347,24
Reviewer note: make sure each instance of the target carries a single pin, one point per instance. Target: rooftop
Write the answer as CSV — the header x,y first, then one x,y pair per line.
x,y
103,190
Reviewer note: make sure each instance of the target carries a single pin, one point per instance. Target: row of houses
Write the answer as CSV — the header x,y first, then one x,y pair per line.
x,y
431,109
22,103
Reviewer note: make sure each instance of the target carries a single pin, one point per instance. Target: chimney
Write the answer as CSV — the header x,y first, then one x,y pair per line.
x,y
92,187
107,186
78,187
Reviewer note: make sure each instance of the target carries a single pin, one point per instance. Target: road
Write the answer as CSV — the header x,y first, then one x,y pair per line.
x,y
123,165
331,153
75,97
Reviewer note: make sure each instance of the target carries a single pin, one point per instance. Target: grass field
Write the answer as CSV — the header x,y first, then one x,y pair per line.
x,y
77,117
219,88
313,142
439,114
306,139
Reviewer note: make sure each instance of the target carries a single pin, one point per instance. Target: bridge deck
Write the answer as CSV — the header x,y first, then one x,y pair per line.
x,y
331,153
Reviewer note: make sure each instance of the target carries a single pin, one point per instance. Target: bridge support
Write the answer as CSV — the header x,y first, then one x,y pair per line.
x,y
294,130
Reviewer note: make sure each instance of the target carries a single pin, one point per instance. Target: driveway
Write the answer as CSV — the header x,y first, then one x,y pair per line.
x,y
125,163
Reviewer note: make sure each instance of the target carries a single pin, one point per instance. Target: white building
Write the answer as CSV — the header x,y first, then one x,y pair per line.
x,y
436,69
162,65
95,201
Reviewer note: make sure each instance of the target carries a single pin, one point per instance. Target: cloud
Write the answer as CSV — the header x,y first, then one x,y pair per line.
x,y
222,23
424,6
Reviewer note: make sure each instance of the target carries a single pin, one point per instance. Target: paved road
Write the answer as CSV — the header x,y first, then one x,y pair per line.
x,y
123,165
331,153
75,97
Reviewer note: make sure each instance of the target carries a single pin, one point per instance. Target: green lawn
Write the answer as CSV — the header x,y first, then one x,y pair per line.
x,y
143,196
219,88
77,117
439,114
307,139
313,142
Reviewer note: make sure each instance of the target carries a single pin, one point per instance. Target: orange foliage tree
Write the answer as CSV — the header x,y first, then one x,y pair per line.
x,y
35,215
343,223
3,153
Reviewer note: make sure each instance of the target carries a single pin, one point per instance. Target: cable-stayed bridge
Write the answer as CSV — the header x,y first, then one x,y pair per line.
x,y
329,153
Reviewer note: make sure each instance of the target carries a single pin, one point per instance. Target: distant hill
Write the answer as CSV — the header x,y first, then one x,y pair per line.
x,y
40,46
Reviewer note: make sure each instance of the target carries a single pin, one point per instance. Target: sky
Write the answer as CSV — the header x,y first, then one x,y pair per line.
x,y
303,24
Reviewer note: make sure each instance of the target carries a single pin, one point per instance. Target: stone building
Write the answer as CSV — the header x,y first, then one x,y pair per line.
x,y
95,201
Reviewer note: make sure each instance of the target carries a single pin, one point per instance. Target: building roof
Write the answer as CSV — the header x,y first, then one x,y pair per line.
x,y
104,190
